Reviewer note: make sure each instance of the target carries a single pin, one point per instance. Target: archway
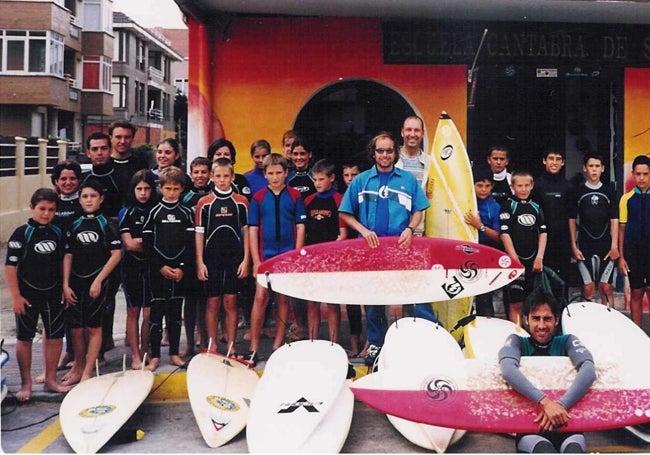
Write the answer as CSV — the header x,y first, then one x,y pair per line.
x,y
338,122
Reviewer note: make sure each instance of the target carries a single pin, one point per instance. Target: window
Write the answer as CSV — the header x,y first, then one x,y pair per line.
x,y
121,43
140,98
31,52
98,16
181,85
140,60
166,106
97,73
120,84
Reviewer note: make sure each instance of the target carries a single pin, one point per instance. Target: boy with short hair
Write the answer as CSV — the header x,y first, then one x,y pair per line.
x,y
486,222
222,250
523,233
195,299
33,274
498,158
276,224
634,236
168,239
93,251
593,227
323,225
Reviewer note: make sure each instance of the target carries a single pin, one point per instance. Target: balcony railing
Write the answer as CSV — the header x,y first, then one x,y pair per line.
x,y
155,114
155,73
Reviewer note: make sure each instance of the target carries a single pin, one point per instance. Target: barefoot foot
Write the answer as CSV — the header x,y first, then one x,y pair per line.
x,y
153,364
176,360
40,379
72,378
25,393
55,387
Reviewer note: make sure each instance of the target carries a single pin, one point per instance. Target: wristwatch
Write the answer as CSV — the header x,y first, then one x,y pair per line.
x,y
482,228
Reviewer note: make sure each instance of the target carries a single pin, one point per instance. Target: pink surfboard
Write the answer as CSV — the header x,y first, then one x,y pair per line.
x,y
472,395
351,272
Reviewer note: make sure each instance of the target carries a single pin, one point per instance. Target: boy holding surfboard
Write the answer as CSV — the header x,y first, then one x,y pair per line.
x,y
541,313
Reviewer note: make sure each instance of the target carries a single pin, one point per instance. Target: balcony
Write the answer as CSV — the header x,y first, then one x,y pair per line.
x,y
155,74
155,114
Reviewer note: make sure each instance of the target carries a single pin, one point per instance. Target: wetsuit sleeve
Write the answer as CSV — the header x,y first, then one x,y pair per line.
x,y
583,361
509,357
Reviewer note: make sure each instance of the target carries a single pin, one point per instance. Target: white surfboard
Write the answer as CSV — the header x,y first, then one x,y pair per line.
x,y
403,348
303,401
93,411
485,336
609,334
220,390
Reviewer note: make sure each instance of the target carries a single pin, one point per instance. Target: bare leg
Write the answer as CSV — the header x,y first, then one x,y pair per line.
x,y
132,335
606,293
52,348
211,321
334,321
588,291
144,332
94,346
636,305
153,364
313,320
40,379
257,316
281,320
74,375
24,357
230,305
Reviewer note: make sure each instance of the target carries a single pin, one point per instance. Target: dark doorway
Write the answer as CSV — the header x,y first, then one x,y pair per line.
x,y
339,121
531,109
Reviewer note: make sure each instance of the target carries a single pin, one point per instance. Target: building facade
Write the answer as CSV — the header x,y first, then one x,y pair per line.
x,y
56,66
142,81
570,75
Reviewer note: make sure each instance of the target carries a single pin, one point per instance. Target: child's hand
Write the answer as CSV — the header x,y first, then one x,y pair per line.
x,y
69,296
613,254
202,272
623,267
473,219
20,303
177,275
577,254
242,270
95,288
254,270
167,272
538,265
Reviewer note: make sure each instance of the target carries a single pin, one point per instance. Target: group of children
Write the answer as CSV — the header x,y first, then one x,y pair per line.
x,y
603,234
196,242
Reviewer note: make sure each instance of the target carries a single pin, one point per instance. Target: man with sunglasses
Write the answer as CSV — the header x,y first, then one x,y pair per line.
x,y
383,201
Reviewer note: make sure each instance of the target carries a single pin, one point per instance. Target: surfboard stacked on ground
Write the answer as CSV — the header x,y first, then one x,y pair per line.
x,y
4,358
451,193
303,402
610,335
485,336
472,395
95,409
220,390
351,272
403,348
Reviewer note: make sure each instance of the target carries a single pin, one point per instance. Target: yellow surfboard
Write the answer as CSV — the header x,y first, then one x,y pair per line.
x,y
450,189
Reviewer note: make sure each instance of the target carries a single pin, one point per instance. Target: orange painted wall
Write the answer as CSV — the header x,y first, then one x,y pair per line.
x,y
267,69
636,119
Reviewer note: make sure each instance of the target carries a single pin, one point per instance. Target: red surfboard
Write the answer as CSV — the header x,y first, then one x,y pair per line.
x,y
351,272
472,395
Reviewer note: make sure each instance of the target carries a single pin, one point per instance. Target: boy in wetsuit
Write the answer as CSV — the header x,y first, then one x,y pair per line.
x,y
634,236
593,227
92,253
222,253
324,225
541,313
523,233
168,240
33,274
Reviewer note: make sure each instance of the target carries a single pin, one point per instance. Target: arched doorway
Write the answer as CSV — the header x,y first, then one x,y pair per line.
x,y
338,122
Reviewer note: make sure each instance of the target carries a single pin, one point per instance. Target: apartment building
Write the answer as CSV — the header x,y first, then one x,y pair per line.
x,y
55,66
143,82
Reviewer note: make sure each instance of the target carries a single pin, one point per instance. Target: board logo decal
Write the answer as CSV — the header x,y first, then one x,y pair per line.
x,y
469,271
218,425
309,406
96,411
446,152
505,261
453,288
467,249
221,403
440,389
